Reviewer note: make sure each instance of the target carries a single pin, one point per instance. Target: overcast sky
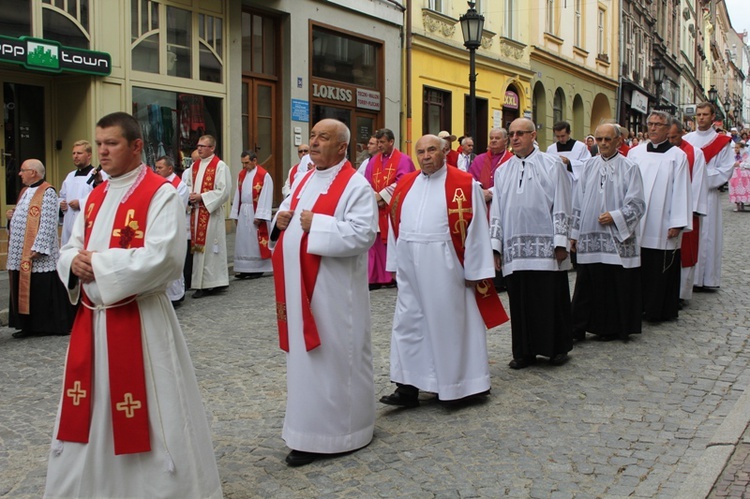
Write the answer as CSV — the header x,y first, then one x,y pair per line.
x,y
739,15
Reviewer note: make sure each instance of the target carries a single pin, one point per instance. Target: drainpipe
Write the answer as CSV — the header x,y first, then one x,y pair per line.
x,y
408,77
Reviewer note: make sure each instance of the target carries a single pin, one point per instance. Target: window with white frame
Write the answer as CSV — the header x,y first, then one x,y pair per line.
x,y
549,25
578,20
510,19
600,40
436,5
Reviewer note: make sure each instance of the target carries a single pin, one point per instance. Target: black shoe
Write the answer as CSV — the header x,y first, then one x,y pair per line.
x,y
22,334
218,290
400,399
374,286
522,362
601,337
176,303
559,359
300,458
200,293
465,401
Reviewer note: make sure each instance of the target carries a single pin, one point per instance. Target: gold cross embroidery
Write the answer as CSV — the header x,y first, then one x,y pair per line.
x,y
128,405
263,242
461,223
133,224
257,187
76,393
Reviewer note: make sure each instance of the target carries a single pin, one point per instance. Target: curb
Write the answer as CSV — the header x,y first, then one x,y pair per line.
x,y
4,317
718,451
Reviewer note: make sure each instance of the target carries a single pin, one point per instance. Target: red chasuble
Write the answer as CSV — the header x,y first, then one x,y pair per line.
x,y
262,229
458,196
33,219
690,240
198,234
127,382
382,177
309,264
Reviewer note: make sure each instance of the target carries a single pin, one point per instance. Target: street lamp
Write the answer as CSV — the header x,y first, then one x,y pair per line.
x,y
472,24
727,105
713,94
658,71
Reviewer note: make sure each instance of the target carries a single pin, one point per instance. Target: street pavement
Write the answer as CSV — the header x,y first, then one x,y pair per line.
x,y
660,416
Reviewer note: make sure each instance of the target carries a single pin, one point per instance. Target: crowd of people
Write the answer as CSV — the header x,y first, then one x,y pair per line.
x,y
641,224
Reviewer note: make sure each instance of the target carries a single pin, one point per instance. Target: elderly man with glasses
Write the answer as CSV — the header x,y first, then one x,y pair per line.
x,y
529,225
669,212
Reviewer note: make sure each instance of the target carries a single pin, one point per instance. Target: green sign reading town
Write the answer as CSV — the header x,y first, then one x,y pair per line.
x,y
48,55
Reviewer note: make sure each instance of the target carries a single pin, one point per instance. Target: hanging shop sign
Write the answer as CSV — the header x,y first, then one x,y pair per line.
x,y
511,100
47,55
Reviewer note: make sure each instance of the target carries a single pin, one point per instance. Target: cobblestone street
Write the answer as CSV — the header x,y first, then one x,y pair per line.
x,y
618,420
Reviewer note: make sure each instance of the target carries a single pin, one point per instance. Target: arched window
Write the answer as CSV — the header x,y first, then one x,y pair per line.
x,y
67,22
558,105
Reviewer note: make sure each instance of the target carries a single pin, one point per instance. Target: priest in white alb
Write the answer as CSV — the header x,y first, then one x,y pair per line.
x,y
131,422
607,207
210,183
76,187
669,212
719,154
572,152
322,233
529,229
251,211
439,249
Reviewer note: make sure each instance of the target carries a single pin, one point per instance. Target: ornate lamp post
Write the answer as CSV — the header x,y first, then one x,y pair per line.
x,y
472,24
727,105
713,95
658,71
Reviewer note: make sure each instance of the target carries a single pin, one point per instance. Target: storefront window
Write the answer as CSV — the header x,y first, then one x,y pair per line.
x,y
210,32
16,18
144,30
349,60
66,22
179,28
173,122
151,20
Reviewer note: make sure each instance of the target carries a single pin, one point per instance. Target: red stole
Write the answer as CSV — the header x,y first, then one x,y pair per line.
x,y
292,174
262,228
487,173
623,149
458,197
176,180
382,177
198,234
715,146
309,264
127,381
690,240
33,219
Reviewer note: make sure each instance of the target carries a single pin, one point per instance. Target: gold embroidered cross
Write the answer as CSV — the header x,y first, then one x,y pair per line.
x,y
76,393
128,405
461,223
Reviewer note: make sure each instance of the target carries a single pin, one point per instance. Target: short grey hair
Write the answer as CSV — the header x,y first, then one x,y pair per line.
x,y
37,166
661,114
679,124
502,131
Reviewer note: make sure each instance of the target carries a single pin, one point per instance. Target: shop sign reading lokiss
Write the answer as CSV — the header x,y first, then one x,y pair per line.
x,y
47,55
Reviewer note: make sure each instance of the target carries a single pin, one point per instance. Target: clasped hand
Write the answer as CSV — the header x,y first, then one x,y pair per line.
x,y
81,266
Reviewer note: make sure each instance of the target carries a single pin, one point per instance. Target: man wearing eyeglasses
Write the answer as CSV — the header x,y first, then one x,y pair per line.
x,y
718,151
607,207
209,182
529,227
303,152
38,300
669,212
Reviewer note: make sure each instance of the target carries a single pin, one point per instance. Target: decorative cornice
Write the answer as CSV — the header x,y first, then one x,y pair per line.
x,y
487,37
511,48
437,22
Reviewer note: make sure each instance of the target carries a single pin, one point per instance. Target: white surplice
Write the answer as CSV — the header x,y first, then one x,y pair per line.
x,y
210,266
302,167
611,185
577,157
668,194
73,189
246,247
330,389
530,212
181,462
439,341
718,172
176,288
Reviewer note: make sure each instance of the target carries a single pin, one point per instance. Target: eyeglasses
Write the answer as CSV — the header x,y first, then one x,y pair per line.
x,y
202,145
23,170
519,133
652,124
303,151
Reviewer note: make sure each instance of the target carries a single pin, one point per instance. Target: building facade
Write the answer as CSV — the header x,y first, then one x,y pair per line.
x,y
438,83
254,73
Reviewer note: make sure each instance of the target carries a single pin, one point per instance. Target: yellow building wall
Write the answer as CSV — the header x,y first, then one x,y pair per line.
x,y
448,71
